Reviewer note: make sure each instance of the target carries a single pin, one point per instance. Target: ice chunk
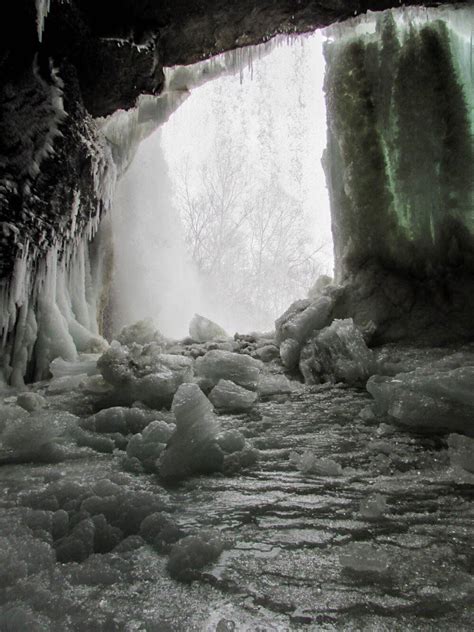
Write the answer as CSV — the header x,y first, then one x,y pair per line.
x,y
143,373
193,447
337,354
198,445
191,554
309,463
267,353
430,398
203,330
270,385
240,369
290,350
316,289
461,451
148,446
30,401
229,397
120,419
142,332
302,318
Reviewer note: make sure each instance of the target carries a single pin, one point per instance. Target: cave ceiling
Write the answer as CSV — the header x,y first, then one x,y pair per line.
x,y
154,34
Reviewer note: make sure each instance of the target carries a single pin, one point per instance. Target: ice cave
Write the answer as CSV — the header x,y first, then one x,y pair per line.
x,y
237,336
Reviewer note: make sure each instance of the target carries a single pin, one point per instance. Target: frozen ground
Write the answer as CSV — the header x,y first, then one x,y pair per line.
x,y
382,540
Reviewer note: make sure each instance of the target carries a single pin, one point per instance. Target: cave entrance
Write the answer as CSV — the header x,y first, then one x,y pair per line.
x,y
224,210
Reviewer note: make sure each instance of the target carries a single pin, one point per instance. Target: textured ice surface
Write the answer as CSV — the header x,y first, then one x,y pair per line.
x,y
461,451
434,397
363,557
202,329
143,373
240,369
337,354
229,397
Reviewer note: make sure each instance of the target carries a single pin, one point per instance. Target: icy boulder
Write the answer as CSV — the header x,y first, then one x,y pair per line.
x,y
142,373
120,419
142,332
290,350
302,318
204,330
193,553
431,398
229,397
144,449
240,369
31,401
198,445
337,354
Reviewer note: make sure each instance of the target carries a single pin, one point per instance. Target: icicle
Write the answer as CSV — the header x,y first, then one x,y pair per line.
x,y
42,10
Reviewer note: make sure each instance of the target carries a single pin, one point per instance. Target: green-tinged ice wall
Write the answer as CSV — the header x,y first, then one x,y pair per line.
x,y
400,155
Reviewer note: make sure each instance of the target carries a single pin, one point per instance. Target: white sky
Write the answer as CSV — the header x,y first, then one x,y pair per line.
x,y
286,85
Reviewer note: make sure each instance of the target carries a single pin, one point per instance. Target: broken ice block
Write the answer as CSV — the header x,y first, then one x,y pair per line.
x,y
229,397
203,330
240,369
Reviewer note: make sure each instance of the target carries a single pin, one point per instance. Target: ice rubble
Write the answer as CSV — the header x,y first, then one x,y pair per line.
x,y
434,398
338,353
202,329
144,373
199,445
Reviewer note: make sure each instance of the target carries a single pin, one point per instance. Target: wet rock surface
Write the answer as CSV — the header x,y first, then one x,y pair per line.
x,y
384,543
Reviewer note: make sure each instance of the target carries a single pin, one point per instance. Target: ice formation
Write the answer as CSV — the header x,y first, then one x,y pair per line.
x,y
229,397
310,463
436,398
199,445
202,329
240,369
144,373
338,353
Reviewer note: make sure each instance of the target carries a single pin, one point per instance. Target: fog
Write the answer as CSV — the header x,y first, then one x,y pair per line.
x,y
224,210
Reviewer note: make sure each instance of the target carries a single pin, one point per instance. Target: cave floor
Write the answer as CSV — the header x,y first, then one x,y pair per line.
x,y
291,563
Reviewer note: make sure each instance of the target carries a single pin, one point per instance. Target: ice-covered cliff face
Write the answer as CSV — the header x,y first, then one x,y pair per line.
x,y
400,166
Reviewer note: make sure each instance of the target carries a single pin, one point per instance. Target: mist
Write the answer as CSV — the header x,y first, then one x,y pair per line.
x,y
224,210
